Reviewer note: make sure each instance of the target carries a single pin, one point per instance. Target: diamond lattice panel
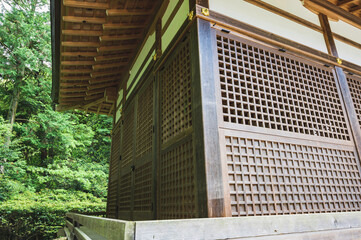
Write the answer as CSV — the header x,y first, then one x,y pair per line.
x,y
177,183
268,177
176,94
354,84
145,121
265,88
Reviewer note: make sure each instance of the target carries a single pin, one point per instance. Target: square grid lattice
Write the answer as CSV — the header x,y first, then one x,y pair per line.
x,y
264,88
125,190
177,185
128,137
143,187
268,177
354,84
113,171
144,129
176,94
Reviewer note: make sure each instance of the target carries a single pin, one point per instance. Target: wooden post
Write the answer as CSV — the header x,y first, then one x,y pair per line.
x,y
342,81
205,124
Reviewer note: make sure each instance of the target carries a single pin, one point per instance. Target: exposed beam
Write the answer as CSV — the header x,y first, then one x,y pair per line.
x,y
95,91
119,38
110,65
96,96
76,71
105,73
104,80
108,26
329,9
111,57
341,3
78,89
70,95
125,12
299,20
93,20
355,9
74,84
70,100
104,85
77,63
79,54
90,33
80,44
87,5
75,78
115,48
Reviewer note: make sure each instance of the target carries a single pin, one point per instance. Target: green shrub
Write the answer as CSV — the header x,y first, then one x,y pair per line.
x,y
41,215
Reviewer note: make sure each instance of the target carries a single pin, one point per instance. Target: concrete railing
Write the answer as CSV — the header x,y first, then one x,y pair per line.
x,y
308,226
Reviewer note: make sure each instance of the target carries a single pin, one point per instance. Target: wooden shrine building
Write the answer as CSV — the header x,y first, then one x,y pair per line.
x,y
222,108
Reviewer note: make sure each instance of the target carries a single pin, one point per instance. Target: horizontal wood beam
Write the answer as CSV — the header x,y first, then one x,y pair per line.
x,y
90,33
105,80
111,57
93,20
110,26
71,100
105,73
299,20
120,37
110,65
125,12
79,54
87,5
77,63
270,38
329,9
76,71
116,48
95,91
80,44
78,89
96,96
341,3
70,95
355,9
75,78
74,84
103,85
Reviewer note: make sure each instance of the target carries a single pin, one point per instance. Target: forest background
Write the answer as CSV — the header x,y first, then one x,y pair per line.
x,y
50,162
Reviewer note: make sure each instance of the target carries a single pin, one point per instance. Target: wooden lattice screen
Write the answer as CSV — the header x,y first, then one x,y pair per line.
x,y
176,180
113,172
354,83
284,136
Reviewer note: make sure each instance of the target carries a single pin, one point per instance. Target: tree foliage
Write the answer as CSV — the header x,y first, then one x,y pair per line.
x,y
55,162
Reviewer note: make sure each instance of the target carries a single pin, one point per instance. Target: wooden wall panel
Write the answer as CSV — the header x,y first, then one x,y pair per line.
x,y
286,141
176,165
354,83
113,172
272,177
264,88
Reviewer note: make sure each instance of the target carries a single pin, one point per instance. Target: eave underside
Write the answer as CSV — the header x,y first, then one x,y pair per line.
x,y
98,40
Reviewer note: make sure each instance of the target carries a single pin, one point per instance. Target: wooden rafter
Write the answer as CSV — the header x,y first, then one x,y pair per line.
x,y
125,12
87,5
74,19
82,33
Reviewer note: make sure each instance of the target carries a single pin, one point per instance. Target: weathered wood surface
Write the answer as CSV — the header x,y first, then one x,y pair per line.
x,y
345,226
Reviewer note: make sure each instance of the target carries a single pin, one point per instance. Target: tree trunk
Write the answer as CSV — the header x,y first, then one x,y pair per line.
x,y
12,113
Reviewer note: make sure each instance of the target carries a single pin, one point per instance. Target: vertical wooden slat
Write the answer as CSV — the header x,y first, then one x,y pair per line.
x,y
207,149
